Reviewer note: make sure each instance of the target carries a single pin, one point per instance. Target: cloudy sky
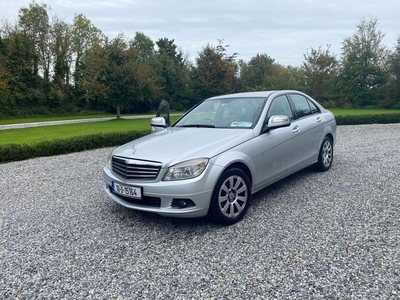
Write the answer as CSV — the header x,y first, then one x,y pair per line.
x,y
285,29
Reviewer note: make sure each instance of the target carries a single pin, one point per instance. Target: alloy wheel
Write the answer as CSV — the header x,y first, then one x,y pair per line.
x,y
327,153
232,196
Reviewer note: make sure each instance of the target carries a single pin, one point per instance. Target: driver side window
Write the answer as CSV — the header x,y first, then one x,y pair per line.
x,y
280,106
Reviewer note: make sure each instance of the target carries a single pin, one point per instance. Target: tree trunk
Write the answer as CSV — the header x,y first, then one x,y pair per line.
x,y
118,111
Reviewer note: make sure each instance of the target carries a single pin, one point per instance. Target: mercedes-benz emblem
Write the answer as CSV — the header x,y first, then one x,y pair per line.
x,y
133,149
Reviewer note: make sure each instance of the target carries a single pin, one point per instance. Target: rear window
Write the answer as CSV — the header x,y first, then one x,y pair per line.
x,y
303,106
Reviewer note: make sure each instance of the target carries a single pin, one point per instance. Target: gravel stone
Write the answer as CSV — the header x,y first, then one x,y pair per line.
x,y
332,235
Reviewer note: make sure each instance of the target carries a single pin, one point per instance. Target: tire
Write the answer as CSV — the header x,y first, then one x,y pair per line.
x,y
325,156
231,197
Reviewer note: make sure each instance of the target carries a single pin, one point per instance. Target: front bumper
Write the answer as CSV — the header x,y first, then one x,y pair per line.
x,y
160,197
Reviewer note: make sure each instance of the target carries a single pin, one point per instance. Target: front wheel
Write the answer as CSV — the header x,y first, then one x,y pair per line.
x,y
231,197
325,156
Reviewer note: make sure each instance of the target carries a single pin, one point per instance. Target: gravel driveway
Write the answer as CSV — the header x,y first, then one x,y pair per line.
x,y
332,235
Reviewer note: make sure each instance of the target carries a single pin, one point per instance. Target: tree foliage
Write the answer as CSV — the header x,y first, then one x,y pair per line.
x,y
254,73
363,68
393,99
114,75
173,74
319,70
84,36
263,73
213,74
34,22
50,66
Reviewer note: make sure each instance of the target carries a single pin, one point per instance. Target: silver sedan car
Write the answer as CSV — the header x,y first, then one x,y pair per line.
x,y
226,148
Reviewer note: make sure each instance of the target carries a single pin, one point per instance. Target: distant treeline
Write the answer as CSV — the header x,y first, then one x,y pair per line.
x,y
48,66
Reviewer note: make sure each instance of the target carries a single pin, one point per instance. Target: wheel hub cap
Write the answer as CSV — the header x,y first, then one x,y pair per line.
x,y
232,196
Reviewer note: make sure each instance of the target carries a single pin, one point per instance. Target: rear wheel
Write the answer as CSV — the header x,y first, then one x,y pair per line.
x,y
325,156
231,197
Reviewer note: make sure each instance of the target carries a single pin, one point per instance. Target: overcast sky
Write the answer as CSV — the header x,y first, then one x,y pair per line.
x,y
285,29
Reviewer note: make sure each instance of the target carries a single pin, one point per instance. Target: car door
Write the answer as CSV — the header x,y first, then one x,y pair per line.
x,y
278,145
309,128
162,119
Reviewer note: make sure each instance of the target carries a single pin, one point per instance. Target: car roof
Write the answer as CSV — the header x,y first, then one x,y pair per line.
x,y
264,94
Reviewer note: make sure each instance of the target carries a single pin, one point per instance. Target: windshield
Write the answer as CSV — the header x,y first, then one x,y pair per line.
x,y
224,113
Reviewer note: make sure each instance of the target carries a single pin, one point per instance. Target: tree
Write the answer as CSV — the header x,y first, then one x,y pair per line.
x,y
146,56
115,75
61,92
394,92
173,74
363,68
35,24
4,75
253,73
221,48
294,78
144,47
263,73
283,78
84,36
319,68
213,75
63,52
23,85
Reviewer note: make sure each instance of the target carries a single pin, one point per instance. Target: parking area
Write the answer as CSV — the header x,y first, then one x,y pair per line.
x,y
330,235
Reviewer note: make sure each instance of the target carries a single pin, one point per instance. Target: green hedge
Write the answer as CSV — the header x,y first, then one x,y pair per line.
x,y
368,119
15,152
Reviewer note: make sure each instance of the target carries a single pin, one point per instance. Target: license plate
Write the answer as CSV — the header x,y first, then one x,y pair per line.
x,y
127,190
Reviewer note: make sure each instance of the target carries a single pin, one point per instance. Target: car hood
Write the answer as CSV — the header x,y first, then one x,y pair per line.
x,y
177,144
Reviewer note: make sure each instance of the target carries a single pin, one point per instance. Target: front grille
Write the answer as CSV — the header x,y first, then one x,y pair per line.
x,y
135,169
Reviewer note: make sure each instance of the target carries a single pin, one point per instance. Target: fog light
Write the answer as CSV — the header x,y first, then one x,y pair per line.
x,y
182,203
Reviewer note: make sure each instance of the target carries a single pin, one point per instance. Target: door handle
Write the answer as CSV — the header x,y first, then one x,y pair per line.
x,y
319,119
296,129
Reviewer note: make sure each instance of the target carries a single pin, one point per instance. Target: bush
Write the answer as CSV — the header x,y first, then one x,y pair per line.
x,y
368,119
15,152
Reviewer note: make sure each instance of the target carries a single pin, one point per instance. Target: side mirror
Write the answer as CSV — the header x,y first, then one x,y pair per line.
x,y
158,123
277,121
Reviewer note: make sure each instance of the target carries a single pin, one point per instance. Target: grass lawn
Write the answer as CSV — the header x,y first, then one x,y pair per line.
x,y
57,118
45,133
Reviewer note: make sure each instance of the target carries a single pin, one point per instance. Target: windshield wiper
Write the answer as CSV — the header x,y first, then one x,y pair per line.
x,y
200,125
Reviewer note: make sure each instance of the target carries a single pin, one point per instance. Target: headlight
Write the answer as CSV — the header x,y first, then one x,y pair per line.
x,y
186,170
109,159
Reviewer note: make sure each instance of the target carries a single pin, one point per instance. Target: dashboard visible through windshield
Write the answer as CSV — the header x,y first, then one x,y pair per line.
x,y
224,113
